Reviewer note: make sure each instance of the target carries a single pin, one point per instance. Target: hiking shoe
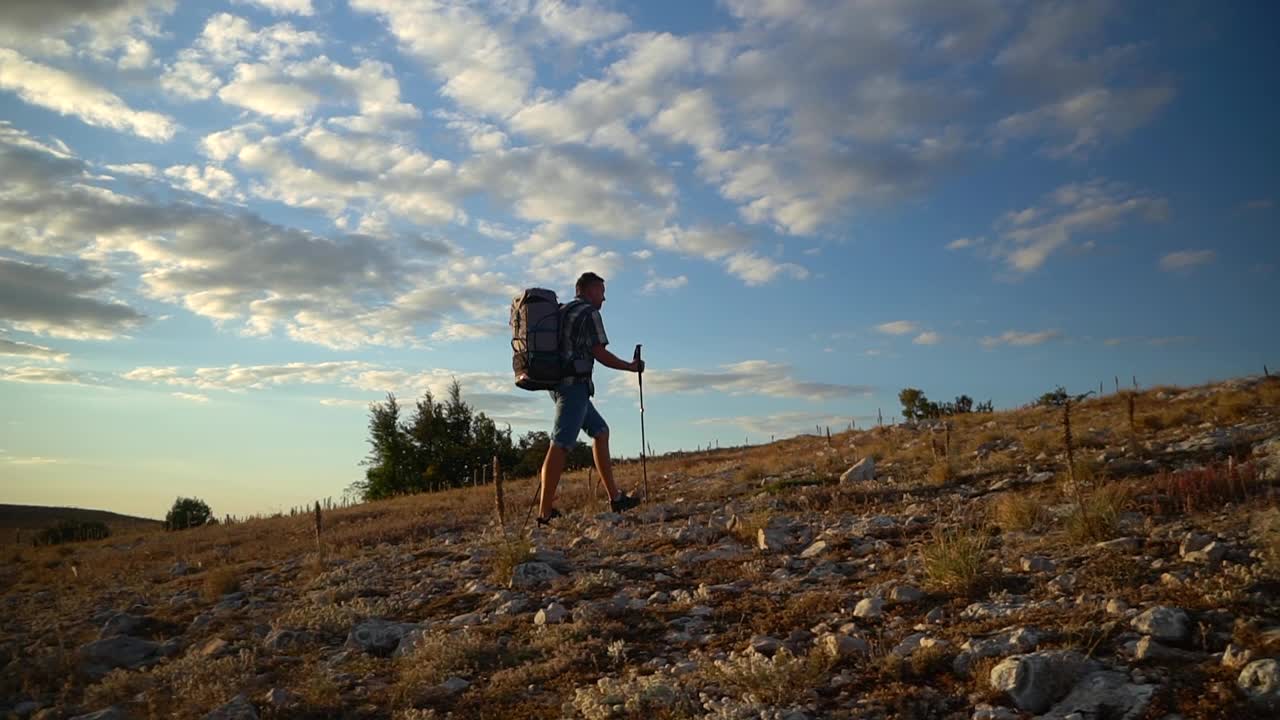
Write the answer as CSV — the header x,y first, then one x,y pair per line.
x,y
545,521
624,502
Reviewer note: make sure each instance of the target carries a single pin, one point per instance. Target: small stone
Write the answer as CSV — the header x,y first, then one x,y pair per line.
x,y
862,471
532,574
839,645
869,608
1260,681
1164,624
935,615
215,647
1038,564
454,685
765,645
111,713
280,698
1116,606
905,594
552,614
1035,681
814,550
1149,650
239,708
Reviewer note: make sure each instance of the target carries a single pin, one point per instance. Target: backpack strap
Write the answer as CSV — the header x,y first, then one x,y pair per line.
x,y
575,330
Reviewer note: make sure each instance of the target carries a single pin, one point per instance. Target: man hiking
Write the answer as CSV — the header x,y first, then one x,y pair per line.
x,y
586,343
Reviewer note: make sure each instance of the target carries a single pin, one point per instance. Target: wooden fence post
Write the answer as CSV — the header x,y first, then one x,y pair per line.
x,y
499,501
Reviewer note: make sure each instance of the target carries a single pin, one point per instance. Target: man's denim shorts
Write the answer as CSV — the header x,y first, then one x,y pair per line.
x,y
575,412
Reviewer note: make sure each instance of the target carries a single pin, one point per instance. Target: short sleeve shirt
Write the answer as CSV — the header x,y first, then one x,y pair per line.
x,y
589,326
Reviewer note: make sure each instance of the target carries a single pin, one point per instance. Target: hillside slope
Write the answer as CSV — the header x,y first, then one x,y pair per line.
x,y
972,573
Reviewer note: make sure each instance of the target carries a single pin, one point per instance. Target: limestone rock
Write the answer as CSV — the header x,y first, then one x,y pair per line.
x,y
1164,624
1035,681
238,709
532,574
121,651
1260,681
862,471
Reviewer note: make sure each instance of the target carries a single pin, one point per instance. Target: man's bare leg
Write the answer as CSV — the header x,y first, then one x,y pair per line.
x,y
604,466
552,468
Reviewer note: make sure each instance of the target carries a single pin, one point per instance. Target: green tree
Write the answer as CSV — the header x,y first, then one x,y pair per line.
x,y
1054,398
390,463
914,403
187,513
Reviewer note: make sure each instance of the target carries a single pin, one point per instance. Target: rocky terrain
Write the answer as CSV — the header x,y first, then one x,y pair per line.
x,y
947,569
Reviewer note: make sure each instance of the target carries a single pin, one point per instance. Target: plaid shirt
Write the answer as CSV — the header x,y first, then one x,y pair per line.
x,y
580,315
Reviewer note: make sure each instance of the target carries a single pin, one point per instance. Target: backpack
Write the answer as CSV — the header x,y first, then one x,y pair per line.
x,y
541,354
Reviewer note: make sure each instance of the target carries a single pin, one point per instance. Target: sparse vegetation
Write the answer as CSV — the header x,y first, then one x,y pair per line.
x,y
508,552
781,680
1022,512
220,581
655,600
955,561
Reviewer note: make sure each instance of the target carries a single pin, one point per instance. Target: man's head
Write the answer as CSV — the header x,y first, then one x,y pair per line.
x,y
590,287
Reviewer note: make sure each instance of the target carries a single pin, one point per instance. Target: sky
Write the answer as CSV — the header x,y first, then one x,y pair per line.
x,y
226,228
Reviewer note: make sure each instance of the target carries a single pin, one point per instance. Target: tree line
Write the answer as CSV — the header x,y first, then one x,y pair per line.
x,y
442,444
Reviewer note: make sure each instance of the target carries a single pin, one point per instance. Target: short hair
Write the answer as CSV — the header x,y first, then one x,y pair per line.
x,y
586,280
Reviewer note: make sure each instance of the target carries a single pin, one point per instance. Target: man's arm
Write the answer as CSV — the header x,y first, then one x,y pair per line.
x,y
608,359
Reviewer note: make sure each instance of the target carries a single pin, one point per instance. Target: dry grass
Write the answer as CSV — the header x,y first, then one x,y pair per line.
x,y
1020,512
442,655
1266,531
509,551
955,561
942,473
748,527
1100,517
220,581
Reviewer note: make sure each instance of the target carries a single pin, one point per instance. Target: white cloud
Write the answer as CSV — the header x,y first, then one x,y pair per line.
x,y
251,377
292,91
1186,259
656,283
1029,236
191,397
68,94
210,181
691,118
1022,339
756,270
14,347
145,170
483,67
235,269
47,376
578,24
602,191
964,242
1083,120
280,7
897,327
928,337
749,377
96,30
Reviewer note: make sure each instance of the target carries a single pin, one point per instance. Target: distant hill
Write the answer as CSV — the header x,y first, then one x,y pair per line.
x,y
37,517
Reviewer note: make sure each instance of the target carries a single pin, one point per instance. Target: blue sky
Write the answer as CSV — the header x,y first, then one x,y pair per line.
x,y
224,230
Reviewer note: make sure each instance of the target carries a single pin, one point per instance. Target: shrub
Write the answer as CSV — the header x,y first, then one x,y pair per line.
x,y
510,551
955,562
1018,512
941,473
221,581
187,513
781,680
72,531
441,655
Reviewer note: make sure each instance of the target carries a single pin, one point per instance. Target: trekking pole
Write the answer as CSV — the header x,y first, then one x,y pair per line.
x,y
644,469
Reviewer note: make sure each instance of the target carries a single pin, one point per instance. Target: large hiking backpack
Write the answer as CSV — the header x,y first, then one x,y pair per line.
x,y
539,355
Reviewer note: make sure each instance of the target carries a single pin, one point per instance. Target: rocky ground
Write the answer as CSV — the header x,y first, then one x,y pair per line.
x,y
942,570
